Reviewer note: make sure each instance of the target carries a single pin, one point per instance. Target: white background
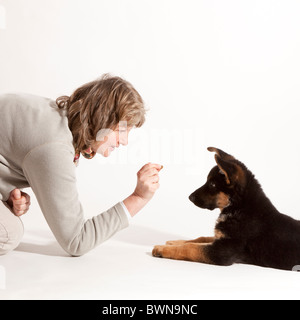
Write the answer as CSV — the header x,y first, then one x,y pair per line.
x,y
212,73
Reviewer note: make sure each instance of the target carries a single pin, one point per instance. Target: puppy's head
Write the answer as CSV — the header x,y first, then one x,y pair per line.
x,y
224,182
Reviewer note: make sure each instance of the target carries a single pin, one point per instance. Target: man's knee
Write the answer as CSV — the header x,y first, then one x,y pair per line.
x,y
11,234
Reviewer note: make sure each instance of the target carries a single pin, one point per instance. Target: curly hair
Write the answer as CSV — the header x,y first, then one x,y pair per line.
x,y
101,104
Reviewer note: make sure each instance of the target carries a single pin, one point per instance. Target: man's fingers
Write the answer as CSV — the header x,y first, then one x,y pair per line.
x,y
27,197
151,172
16,194
24,199
19,212
144,167
149,166
21,201
150,169
154,178
21,207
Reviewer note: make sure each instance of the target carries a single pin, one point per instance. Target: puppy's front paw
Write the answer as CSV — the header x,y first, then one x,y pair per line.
x,y
175,242
157,251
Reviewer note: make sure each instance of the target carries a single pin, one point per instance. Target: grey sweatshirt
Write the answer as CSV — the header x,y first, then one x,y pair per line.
x,y
36,151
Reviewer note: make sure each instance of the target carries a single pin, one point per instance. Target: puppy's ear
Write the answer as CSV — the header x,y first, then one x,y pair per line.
x,y
229,166
223,155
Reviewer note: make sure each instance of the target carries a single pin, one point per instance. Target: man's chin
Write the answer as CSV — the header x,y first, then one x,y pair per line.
x,y
107,153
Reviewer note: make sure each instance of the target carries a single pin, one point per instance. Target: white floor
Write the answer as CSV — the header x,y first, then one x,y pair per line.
x,y
123,268
236,88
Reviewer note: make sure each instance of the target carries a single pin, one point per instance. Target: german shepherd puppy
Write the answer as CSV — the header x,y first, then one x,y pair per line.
x,y
249,229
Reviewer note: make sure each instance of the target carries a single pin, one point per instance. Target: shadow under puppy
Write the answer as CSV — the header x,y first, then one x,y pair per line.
x,y
249,229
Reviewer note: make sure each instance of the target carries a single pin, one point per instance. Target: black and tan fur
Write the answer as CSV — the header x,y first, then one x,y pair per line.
x,y
249,229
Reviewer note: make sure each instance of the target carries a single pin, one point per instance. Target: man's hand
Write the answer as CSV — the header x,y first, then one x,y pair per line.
x,y
147,184
19,202
147,181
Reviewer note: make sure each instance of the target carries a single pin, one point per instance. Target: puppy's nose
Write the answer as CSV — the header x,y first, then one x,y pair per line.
x,y
192,197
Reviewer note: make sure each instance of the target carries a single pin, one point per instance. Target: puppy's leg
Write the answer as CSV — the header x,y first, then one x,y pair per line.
x,y
198,240
202,240
175,242
221,252
189,251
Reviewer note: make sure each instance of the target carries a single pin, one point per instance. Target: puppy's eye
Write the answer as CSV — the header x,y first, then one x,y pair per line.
x,y
212,185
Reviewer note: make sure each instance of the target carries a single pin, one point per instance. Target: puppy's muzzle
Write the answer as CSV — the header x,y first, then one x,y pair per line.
x,y
192,197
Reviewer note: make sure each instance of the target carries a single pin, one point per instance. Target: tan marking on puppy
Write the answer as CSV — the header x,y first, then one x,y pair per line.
x,y
222,218
175,242
222,170
198,240
190,251
202,240
219,234
222,200
240,176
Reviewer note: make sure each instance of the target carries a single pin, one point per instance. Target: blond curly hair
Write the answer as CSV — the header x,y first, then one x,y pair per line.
x,y
101,104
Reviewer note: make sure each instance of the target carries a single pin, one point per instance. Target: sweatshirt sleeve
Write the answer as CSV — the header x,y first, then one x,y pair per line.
x,y
50,172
